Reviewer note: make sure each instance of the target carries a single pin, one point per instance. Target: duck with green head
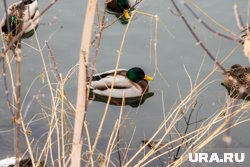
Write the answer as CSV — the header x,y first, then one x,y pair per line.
x,y
128,83
29,9
121,9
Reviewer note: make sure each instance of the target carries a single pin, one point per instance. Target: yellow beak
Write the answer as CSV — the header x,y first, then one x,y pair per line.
x,y
148,78
126,14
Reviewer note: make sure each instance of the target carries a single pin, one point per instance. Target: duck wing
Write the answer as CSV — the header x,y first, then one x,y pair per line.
x,y
99,76
121,82
33,23
30,11
120,93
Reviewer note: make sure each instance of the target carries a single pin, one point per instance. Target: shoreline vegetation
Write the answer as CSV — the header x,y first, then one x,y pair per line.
x,y
67,141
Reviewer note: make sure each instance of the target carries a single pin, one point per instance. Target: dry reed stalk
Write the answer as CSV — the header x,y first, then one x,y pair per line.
x,y
81,105
114,136
18,103
27,140
11,80
238,17
17,54
54,119
110,144
17,96
10,107
63,121
59,78
125,156
62,95
98,42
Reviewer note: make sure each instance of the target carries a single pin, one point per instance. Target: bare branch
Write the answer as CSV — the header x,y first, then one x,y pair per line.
x,y
238,18
198,41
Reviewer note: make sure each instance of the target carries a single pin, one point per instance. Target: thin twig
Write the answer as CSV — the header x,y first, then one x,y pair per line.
x,y
213,20
63,95
238,17
207,26
58,76
198,41
7,90
185,131
18,103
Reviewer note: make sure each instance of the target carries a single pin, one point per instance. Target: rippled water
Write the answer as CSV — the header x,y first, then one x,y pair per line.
x,y
176,51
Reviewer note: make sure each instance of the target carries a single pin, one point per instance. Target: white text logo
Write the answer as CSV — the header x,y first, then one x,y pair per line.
x,y
227,157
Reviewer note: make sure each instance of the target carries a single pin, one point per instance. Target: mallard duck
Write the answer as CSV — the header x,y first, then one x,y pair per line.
x,y
237,82
121,8
29,10
128,83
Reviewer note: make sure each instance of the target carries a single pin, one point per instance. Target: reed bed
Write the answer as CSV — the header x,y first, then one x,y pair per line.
x,y
67,140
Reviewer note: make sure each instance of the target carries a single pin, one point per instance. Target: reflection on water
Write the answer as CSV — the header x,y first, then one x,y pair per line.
x,y
132,101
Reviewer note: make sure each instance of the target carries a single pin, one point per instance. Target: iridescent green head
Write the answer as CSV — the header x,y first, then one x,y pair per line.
x,y
123,4
136,74
12,19
13,22
121,9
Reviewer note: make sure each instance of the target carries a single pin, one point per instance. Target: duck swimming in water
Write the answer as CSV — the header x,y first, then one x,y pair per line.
x,y
128,83
121,9
29,9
